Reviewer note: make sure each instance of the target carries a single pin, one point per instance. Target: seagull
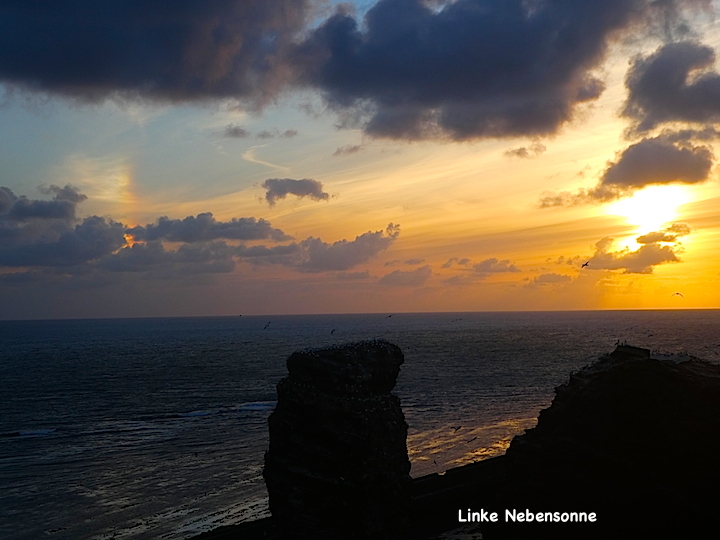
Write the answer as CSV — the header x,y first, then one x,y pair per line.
x,y
333,330
389,316
678,294
268,324
456,427
471,440
586,264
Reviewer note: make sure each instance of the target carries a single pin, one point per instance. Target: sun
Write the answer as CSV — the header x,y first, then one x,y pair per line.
x,y
652,208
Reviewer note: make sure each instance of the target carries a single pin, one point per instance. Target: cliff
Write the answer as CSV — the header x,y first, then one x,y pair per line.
x,y
634,439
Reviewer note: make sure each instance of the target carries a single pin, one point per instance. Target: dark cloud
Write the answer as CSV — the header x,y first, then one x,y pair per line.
x,y
412,278
456,260
170,51
640,261
674,84
279,188
652,161
319,256
534,150
205,227
658,161
57,246
62,206
234,131
494,266
544,280
153,257
469,68
61,246
348,150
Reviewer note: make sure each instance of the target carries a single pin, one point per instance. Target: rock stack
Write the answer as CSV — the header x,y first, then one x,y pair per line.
x,y
337,466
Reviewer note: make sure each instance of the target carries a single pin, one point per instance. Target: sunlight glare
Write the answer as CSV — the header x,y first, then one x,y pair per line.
x,y
652,208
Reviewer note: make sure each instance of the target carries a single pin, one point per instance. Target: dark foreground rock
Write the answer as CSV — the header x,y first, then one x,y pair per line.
x,y
634,439
337,466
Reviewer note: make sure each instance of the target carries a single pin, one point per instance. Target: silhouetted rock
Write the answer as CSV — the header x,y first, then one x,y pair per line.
x,y
634,439
337,467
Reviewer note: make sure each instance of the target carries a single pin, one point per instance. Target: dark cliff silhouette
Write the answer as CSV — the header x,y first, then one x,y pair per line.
x,y
633,438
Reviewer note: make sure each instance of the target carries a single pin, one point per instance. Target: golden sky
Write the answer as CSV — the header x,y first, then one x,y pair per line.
x,y
409,183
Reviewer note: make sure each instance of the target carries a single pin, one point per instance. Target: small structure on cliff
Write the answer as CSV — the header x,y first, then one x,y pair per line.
x,y
337,466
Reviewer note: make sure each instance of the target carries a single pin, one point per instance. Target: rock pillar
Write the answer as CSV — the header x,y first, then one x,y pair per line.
x,y
337,467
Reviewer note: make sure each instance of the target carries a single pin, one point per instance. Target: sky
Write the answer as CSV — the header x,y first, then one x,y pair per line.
x,y
259,157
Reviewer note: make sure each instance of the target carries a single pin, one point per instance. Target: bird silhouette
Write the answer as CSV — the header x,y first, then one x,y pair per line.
x,y
678,294
333,330
268,324
389,316
456,427
471,440
586,264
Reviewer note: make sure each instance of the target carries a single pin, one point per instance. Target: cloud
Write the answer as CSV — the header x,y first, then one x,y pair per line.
x,y
494,266
534,150
170,51
674,84
544,280
669,235
152,257
279,188
62,206
456,260
54,245
35,232
234,131
640,261
396,262
661,160
348,149
411,278
319,256
353,276
205,227
58,245
470,69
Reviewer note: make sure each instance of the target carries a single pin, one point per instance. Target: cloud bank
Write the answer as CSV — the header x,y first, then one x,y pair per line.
x,y
168,51
470,69
40,238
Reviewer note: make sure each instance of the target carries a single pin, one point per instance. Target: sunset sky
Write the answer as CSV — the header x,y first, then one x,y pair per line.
x,y
181,158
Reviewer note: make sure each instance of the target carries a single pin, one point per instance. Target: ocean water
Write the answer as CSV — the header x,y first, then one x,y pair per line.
x,y
156,428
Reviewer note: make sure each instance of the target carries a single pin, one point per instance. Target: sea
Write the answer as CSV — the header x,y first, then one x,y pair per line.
x,y
156,428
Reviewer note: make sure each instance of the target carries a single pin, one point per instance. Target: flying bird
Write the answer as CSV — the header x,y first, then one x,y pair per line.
x,y
586,264
456,427
389,316
678,294
333,330
268,324
471,440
